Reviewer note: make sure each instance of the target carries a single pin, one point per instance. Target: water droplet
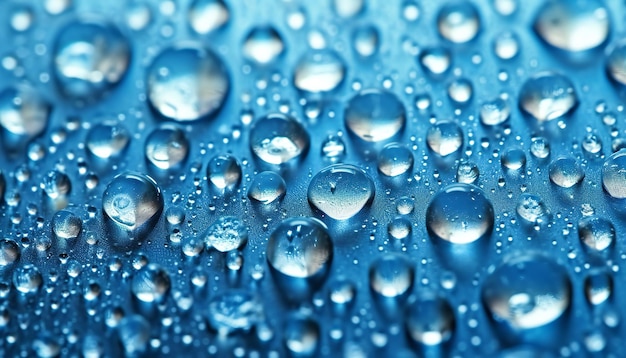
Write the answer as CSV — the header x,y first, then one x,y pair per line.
x,y
9,253
614,175
278,139
566,172
22,18
460,214
495,112
573,26
395,159
108,140
532,209
302,335
223,173
23,111
365,40
57,7
151,284
134,333
342,294
206,16
404,205
430,321
56,185
46,346
596,233
506,45
540,147
167,147
66,225
391,276
90,57
445,138
234,310
263,45
27,279
435,61
460,91
375,115
341,191
592,144
348,8
226,234
187,82
547,96
319,71
267,187
467,172
132,204
598,287
458,22
138,15
399,228
333,148
513,159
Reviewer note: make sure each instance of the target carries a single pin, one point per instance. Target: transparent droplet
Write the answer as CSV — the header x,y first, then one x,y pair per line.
x,y
375,115
614,175
592,144
90,57
66,225
506,45
302,335
300,248
151,284
56,7
9,253
56,185
333,148
495,112
263,45
532,209
445,138
430,321
187,82
460,214
27,279
234,310
342,294
573,26
138,15
391,276
540,147
513,159
206,16
399,228
395,159
22,18
404,205
223,173
566,172
278,139
348,8
134,333
341,191
365,40
547,96
458,22
467,172
226,234
616,62
267,187
460,91
167,147
435,61
598,287
23,111
319,71
596,233
108,140
410,10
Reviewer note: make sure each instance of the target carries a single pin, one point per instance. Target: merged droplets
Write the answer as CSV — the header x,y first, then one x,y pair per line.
x,y
573,26
375,115
596,233
614,175
458,22
445,138
319,71
131,203
278,139
430,321
341,191
187,82
547,96
460,214
167,147
90,57
226,234
151,284
267,187
263,45
566,172
206,16
526,292
300,248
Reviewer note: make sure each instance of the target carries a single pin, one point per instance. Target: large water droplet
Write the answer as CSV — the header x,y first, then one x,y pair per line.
x,y
598,287
614,175
460,214
66,225
566,172
9,253
495,112
506,45
391,277
435,61
319,71
90,57
151,284
278,139
458,22
375,115
547,96
341,191
302,336
616,63
134,333
187,82
226,234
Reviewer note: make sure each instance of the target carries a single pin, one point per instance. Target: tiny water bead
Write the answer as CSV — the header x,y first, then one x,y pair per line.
x,y
66,225
375,115
430,321
566,172
108,140
460,214
596,233
341,191
23,111
132,203
187,82
90,57
206,16
547,96
319,71
391,276
226,234
267,187
526,292
300,248
151,284
445,138
277,139
263,45
223,173
167,147
395,159
614,175
573,26
458,22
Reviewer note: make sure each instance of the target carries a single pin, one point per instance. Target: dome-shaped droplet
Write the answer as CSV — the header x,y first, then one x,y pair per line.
x,y
27,279
9,253
614,175
598,287
267,187
532,209
206,16
506,45
187,82
132,204
263,45
460,214
430,321
108,140
66,225
348,8
342,294
300,248
365,40
435,61
90,57
56,185
226,234
234,310
596,233
138,15
278,139
341,191
513,159
467,172
616,63
540,147
151,284
458,22
445,138
134,333
23,111
375,115
333,148
527,292
573,26
395,159
167,147
495,112
319,71
460,91
223,173
391,276
566,172
399,228
547,96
